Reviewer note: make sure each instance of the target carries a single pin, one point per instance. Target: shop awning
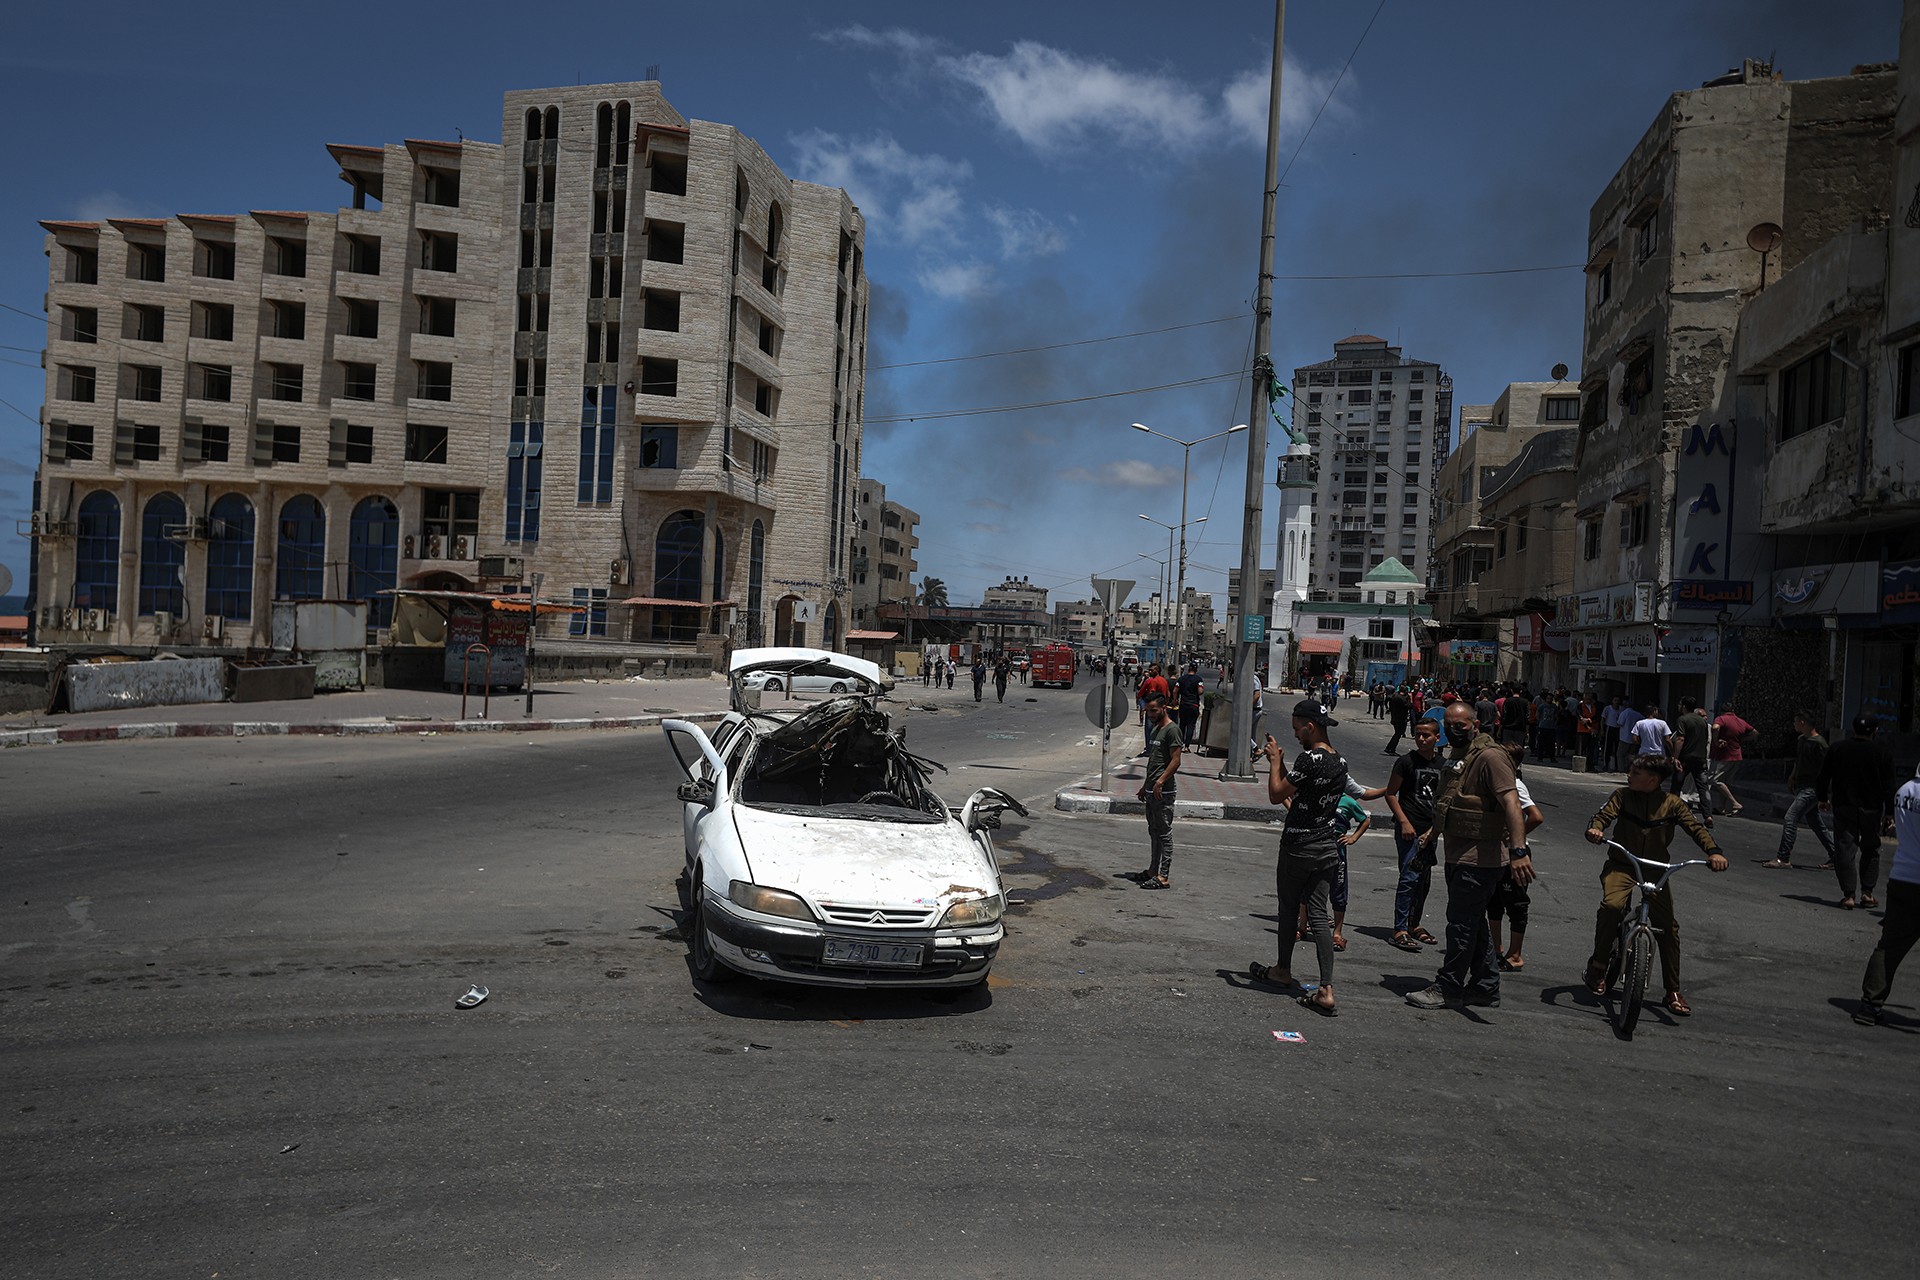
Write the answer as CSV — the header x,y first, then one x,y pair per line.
x,y
659,603
873,635
1320,644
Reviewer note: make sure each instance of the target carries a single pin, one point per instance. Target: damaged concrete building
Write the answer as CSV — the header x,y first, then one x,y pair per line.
x,y
618,349
1733,187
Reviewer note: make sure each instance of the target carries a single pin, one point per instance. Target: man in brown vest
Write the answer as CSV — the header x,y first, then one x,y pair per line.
x,y
1483,834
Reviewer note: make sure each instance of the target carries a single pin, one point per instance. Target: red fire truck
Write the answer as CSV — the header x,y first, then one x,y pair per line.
x,y
1055,664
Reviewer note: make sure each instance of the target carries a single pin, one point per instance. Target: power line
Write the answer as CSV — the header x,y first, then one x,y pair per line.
x,y
1282,181
1054,346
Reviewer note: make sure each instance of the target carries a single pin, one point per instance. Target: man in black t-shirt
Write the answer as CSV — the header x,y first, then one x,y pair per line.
x,y
1157,789
1399,707
1411,791
1309,847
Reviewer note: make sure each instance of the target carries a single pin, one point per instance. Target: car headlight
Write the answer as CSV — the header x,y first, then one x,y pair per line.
x,y
768,902
973,911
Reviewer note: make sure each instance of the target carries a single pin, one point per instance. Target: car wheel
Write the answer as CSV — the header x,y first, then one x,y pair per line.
x,y
772,686
707,967
839,686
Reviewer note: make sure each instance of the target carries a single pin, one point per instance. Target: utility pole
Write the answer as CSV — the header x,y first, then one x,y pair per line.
x,y
1246,667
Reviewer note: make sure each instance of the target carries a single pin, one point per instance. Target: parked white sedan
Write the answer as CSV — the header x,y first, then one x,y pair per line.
x,y
818,852
804,671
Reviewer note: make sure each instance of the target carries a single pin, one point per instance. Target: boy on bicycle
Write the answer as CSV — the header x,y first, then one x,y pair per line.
x,y
1646,814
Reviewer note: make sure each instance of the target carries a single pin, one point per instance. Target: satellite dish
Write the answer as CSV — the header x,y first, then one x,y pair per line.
x,y
1766,237
1560,372
6,579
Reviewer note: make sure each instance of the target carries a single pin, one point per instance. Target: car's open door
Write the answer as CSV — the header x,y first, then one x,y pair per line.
x,y
705,774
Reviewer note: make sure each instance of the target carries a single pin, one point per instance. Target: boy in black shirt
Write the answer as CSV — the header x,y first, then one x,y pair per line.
x,y
1309,847
1411,791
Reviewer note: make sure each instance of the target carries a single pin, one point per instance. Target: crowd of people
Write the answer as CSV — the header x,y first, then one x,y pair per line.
x,y
1459,803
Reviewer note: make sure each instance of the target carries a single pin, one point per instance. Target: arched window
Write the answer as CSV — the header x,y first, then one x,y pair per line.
x,y
96,561
302,559
533,124
553,123
603,136
832,637
776,223
373,558
230,558
163,559
622,132
719,565
756,582
676,575
741,192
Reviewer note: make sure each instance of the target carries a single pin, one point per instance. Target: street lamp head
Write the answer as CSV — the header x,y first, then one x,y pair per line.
x,y
1198,520
1241,427
1141,426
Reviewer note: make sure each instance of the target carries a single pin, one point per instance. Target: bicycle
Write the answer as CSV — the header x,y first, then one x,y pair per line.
x,y
1632,957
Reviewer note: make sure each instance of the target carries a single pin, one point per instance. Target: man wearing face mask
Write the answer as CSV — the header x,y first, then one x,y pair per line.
x,y
1483,835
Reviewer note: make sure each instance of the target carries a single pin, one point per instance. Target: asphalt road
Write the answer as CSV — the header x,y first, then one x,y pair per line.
x,y
230,1047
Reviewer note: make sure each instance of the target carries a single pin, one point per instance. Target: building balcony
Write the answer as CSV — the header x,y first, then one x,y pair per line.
x,y
1841,281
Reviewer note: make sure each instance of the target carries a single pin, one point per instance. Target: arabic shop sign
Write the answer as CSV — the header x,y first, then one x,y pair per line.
x,y
1711,593
1472,653
1690,650
1633,649
1900,592
1828,588
1615,606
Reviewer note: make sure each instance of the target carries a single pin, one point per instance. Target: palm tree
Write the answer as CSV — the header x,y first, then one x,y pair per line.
x,y
933,593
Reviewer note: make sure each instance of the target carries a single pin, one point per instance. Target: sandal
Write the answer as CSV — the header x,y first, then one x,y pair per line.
x,y
1777,863
1155,882
1421,935
1868,900
1339,942
1404,941
1325,1008
1596,978
1265,973
1677,1004
1846,904
1512,964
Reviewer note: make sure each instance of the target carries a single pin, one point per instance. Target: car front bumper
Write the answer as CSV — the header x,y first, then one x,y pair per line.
x,y
789,951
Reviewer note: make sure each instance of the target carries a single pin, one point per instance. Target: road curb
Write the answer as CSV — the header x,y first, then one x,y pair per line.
x,y
55,735
1075,801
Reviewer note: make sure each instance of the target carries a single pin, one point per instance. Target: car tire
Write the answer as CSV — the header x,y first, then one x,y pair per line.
x,y
707,967
839,686
771,686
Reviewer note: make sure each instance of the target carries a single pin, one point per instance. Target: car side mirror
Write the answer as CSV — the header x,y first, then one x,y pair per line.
x,y
696,791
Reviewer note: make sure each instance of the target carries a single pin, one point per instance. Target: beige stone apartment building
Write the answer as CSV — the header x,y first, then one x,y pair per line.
x,y
618,349
884,547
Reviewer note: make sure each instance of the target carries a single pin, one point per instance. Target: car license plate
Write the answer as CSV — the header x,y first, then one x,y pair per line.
x,y
870,955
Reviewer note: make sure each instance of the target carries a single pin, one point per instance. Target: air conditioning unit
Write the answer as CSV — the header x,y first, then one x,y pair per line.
x,y
194,530
95,620
462,547
501,566
163,623
434,547
406,547
72,620
620,572
214,628
53,617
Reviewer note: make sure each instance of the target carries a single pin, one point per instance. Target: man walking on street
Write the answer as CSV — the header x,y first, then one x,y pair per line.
x,y
1724,753
1809,758
1856,785
1690,755
1412,789
1157,789
1398,705
1189,693
1900,927
1478,819
979,677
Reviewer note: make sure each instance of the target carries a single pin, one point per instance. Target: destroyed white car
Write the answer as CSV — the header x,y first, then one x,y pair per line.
x,y
817,850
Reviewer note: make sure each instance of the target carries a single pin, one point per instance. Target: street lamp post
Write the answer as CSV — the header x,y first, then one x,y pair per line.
x,y
1181,589
1186,460
1166,567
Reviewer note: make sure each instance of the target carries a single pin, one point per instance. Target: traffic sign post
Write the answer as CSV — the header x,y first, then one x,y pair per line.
x,y
1111,593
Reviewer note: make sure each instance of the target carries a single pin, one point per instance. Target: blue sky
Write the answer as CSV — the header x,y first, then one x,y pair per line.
x,y
1033,174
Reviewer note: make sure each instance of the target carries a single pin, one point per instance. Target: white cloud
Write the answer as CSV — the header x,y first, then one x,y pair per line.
x,y
1054,99
916,197
102,205
981,526
1302,90
1128,473
957,279
1025,233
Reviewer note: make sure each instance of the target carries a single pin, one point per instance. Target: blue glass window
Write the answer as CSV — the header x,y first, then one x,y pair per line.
x,y
676,575
302,559
163,559
590,616
598,405
525,441
373,558
96,568
230,558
